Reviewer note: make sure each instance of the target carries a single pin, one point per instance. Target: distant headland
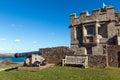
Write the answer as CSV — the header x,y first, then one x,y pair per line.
x,y
6,54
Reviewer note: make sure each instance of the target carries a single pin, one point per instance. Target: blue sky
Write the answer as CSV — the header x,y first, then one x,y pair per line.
x,y
27,25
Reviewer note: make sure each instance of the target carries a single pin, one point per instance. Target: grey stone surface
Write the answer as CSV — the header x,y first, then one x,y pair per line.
x,y
114,55
55,54
93,31
97,50
97,61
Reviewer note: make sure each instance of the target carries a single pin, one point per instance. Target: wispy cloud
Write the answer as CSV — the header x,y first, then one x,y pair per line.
x,y
34,42
16,40
3,39
16,25
2,49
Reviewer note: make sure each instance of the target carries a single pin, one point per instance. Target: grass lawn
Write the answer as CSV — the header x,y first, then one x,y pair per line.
x,y
11,65
63,73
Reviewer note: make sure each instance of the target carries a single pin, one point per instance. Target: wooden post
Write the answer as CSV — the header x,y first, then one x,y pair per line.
x,y
63,60
107,64
86,62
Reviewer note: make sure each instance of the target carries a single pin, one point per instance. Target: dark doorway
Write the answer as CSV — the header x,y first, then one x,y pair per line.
x,y
89,50
118,59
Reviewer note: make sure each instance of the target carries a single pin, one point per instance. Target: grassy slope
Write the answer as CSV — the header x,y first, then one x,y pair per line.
x,y
11,65
63,73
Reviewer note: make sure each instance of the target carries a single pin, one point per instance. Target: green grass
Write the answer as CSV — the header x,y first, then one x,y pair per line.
x,y
63,73
11,65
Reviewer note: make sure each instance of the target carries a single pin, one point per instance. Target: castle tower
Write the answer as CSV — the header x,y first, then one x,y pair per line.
x,y
90,33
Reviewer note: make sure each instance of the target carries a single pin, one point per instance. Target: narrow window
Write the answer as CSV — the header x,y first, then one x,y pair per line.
x,y
90,31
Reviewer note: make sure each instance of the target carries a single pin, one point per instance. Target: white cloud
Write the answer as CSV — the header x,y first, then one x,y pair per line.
x,y
2,49
17,40
34,42
12,25
3,39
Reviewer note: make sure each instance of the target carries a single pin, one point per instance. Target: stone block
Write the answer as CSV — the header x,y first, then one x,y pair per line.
x,y
97,61
81,51
97,50
118,40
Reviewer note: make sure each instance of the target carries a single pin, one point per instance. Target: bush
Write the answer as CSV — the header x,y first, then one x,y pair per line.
x,y
7,61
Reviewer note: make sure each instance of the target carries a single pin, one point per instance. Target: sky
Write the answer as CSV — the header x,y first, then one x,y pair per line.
x,y
27,25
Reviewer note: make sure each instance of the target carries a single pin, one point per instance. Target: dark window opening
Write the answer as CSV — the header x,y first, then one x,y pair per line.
x,y
90,31
89,50
118,59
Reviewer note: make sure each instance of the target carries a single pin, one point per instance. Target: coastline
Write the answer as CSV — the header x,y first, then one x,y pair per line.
x,y
6,54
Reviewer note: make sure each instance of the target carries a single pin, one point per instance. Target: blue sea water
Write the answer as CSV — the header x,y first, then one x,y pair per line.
x,y
21,59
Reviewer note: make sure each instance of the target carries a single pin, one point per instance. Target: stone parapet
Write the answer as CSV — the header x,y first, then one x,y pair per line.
x,y
81,51
55,54
97,50
97,61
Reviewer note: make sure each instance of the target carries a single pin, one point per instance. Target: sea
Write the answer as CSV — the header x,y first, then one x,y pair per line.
x,y
21,59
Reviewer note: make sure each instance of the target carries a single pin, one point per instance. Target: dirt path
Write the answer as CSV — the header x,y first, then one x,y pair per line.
x,y
36,68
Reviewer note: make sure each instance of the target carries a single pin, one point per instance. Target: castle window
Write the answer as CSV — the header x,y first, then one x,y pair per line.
x,y
118,31
90,31
89,50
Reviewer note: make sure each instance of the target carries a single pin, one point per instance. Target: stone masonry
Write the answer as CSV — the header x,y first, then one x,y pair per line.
x,y
96,35
91,33
55,54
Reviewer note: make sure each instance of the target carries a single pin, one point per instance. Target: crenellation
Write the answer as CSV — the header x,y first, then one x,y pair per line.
x,y
85,13
109,7
96,12
110,13
92,32
72,18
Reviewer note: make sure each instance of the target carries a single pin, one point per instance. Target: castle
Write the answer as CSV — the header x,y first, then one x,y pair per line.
x,y
90,34
95,36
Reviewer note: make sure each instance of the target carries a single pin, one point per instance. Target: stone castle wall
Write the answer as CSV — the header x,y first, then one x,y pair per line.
x,y
95,30
114,56
97,61
55,54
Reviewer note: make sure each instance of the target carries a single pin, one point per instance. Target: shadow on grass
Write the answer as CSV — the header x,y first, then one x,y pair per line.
x,y
11,69
71,65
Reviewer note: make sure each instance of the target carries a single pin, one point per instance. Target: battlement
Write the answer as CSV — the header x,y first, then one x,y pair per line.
x,y
93,31
100,14
91,34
